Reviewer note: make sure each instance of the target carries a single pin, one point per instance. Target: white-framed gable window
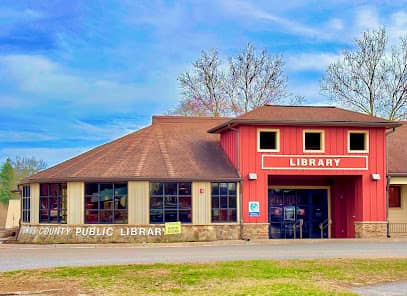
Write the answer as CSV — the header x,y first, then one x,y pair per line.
x,y
313,141
358,141
268,140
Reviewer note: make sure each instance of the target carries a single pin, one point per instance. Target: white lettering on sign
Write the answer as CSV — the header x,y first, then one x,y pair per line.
x,y
313,162
93,231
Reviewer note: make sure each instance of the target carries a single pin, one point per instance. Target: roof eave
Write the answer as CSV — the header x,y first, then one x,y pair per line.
x,y
398,174
234,122
125,179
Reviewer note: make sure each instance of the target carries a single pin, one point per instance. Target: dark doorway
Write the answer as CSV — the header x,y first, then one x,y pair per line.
x,y
292,209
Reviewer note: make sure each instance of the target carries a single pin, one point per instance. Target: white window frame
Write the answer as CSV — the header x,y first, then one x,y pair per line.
x,y
322,137
366,134
277,131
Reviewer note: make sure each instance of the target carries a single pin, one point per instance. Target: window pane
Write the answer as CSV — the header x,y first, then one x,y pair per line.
x,y
232,188
185,216
171,188
156,202
223,202
106,191
232,217
394,197
53,215
44,216
215,188
106,204
312,141
121,202
54,189
44,203
268,140
170,216
91,216
184,188
120,189
170,202
106,216
156,216
185,202
215,201
232,201
215,215
357,141
91,188
223,215
44,190
156,188
91,202
120,216
223,188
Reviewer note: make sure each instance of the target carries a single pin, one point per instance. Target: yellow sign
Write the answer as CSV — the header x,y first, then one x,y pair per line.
x,y
172,228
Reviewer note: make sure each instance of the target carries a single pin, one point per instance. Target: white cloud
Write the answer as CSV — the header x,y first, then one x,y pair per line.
x,y
23,136
366,18
397,27
246,9
335,24
49,155
44,81
317,61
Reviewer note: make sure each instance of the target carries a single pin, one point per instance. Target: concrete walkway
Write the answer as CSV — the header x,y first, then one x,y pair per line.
x,y
17,256
393,289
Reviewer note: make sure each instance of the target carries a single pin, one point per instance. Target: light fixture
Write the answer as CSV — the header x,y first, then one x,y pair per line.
x,y
252,176
375,177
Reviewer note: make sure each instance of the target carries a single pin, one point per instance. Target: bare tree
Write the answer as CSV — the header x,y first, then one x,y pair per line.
x,y
250,80
26,166
202,88
368,79
395,82
255,79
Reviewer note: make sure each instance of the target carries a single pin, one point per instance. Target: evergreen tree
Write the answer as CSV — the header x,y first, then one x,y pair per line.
x,y
6,181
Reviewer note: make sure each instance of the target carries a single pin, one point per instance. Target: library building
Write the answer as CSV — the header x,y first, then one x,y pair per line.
x,y
277,172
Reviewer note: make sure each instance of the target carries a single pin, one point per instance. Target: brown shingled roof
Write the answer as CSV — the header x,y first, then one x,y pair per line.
x,y
397,151
304,115
172,148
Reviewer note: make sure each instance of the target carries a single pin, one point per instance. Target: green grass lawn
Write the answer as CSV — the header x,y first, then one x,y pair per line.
x,y
280,277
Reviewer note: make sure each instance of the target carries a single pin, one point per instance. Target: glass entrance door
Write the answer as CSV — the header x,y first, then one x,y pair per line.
x,y
288,206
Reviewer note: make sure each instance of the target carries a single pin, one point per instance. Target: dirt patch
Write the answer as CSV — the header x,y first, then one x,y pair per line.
x,y
35,284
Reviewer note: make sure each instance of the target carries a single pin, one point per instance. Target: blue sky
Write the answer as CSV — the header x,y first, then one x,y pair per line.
x,y
76,74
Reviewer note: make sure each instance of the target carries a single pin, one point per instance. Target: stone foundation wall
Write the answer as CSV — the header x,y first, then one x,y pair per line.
x,y
370,229
255,231
47,233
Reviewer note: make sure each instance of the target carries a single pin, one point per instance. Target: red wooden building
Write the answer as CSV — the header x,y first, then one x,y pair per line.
x,y
310,171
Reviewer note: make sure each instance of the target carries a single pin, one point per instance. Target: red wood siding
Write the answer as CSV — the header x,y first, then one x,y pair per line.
x,y
228,141
359,197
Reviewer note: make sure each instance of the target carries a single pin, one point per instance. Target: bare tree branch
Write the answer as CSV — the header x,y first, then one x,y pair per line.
x,y
368,79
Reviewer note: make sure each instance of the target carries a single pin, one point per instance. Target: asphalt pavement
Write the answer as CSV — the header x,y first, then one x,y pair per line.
x,y
18,256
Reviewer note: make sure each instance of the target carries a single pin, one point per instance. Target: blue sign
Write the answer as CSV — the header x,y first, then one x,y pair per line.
x,y
254,209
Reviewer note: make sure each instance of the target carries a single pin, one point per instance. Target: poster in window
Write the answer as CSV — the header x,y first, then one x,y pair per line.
x,y
289,213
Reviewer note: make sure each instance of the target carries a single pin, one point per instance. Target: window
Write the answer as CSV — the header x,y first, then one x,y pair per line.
x,y
358,141
268,140
25,212
53,203
394,197
170,202
106,203
313,141
224,202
